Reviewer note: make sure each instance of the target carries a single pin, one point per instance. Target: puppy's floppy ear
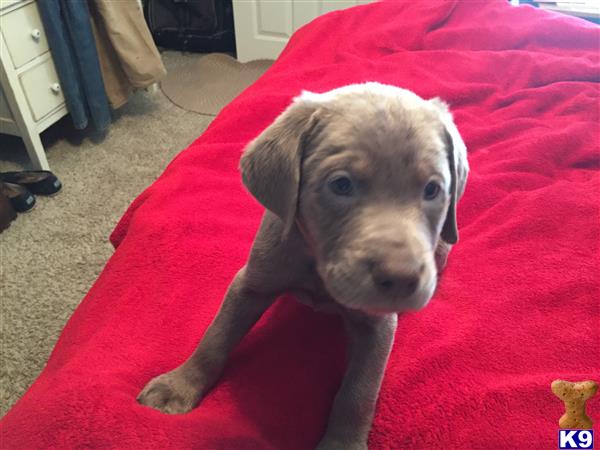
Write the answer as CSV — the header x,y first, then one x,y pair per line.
x,y
459,168
271,163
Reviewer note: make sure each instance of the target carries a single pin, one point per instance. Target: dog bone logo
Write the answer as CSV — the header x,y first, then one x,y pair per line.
x,y
574,395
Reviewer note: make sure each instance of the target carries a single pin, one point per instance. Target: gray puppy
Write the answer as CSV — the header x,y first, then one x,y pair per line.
x,y
360,186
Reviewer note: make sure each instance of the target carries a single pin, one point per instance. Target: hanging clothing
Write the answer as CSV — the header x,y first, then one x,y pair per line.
x,y
69,33
128,56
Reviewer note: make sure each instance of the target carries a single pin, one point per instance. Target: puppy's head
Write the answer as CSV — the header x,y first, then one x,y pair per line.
x,y
371,175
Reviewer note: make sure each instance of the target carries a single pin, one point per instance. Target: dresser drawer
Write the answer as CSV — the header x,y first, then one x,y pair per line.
x,y
6,3
24,34
42,88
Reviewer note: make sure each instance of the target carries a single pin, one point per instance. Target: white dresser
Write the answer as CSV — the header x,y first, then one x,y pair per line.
x,y
31,98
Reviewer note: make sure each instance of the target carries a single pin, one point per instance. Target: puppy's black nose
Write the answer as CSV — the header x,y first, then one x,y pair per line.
x,y
394,282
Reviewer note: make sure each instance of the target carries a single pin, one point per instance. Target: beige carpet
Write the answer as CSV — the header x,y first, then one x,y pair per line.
x,y
50,257
211,90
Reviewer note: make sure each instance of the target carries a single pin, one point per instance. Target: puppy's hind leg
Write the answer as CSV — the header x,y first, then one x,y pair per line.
x,y
179,390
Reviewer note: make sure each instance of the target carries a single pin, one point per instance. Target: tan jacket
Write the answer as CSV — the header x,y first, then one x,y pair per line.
x,y
128,56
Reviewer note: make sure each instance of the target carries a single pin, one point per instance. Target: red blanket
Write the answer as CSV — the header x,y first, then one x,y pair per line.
x,y
517,307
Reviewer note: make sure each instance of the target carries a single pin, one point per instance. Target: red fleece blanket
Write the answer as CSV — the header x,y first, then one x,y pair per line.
x,y
517,307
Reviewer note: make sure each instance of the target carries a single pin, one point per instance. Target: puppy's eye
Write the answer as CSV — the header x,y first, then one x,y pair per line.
x,y
341,185
431,191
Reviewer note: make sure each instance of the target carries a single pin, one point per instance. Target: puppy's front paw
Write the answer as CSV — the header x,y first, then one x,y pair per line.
x,y
170,393
328,443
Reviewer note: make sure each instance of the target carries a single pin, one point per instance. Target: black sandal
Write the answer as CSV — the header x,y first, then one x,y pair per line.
x,y
42,182
21,199
7,212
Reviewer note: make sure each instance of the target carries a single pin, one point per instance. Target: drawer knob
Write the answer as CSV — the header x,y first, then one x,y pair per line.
x,y
55,88
36,34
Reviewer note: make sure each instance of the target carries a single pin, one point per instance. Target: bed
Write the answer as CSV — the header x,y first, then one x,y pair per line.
x,y
517,306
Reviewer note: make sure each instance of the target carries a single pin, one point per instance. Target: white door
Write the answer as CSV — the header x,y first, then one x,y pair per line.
x,y
263,27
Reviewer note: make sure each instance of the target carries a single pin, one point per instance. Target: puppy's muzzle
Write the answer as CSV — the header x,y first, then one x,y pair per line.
x,y
396,271
397,281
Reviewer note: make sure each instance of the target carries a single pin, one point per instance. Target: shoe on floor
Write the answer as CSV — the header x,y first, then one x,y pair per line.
x,y
21,199
40,182
7,212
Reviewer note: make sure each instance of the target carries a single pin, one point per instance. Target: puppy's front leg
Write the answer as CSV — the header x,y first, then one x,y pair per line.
x,y
179,390
371,340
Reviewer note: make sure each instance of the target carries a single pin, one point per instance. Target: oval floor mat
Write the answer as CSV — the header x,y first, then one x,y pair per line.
x,y
209,83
